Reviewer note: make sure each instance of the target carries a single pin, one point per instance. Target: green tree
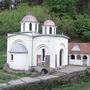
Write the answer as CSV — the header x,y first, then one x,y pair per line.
x,y
61,6
81,26
85,36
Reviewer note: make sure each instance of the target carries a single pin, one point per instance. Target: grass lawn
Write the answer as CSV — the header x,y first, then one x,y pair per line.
x,y
82,86
5,76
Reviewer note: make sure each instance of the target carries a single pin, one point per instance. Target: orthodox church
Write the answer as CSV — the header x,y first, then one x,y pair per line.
x,y
29,48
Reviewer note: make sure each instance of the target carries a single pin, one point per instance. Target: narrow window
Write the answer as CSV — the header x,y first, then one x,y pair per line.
x,y
50,30
23,26
43,54
12,57
72,57
78,57
30,26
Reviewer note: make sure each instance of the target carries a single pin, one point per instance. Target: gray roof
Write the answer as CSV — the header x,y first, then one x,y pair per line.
x,y
18,48
37,35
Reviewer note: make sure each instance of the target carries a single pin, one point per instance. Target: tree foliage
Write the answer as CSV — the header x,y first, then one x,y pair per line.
x,y
35,2
61,6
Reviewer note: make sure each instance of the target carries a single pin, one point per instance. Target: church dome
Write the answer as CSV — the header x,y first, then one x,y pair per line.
x,y
30,18
18,48
49,23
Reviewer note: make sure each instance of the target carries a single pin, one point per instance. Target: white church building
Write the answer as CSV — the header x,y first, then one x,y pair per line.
x,y
28,48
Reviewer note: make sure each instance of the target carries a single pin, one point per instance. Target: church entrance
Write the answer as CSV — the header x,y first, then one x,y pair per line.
x,y
61,57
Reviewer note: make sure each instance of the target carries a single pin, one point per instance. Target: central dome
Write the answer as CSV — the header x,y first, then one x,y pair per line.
x,y
49,23
30,18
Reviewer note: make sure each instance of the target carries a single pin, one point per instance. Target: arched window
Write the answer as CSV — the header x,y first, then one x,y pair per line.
x,y
23,26
43,54
50,30
84,57
79,57
30,26
72,57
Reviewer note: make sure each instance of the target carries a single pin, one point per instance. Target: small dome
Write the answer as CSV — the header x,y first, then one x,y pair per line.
x,y
18,48
29,18
49,23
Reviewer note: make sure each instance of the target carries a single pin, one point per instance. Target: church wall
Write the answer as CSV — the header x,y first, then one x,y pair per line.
x,y
19,61
53,44
26,41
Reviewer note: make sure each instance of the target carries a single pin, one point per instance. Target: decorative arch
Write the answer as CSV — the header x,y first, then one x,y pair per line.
x,y
43,46
62,45
17,41
43,55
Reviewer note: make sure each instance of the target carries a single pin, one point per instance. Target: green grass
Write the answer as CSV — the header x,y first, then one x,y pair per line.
x,y
83,85
5,76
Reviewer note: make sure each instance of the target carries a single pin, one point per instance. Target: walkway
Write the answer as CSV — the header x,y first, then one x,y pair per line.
x,y
60,72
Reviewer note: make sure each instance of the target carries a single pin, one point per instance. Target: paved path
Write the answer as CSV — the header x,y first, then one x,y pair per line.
x,y
71,68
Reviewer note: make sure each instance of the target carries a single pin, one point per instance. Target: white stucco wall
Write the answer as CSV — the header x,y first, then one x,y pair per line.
x,y
53,44
27,42
19,62
79,62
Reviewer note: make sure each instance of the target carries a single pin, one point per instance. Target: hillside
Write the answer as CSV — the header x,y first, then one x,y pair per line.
x,y
76,26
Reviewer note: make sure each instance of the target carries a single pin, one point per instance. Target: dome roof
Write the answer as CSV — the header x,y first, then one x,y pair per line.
x,y
29,18
49,23
18,48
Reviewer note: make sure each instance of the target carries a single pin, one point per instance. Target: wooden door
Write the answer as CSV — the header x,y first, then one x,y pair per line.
x,y
48,60
38,60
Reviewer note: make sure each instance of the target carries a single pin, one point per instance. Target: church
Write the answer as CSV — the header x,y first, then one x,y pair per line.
x,y
29,48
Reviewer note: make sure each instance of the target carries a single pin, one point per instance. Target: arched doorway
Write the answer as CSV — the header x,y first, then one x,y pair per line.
x,y
61,57
85,60
43,57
